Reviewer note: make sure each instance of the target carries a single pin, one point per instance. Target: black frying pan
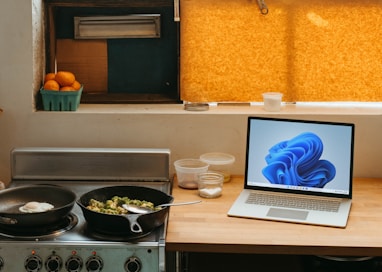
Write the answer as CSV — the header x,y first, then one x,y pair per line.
x,y
13,198
129,224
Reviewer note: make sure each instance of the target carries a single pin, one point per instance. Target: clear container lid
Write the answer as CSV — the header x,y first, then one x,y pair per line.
x,y
190,165
217,158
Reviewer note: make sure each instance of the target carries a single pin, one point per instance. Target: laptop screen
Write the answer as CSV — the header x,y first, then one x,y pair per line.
x,y
299,156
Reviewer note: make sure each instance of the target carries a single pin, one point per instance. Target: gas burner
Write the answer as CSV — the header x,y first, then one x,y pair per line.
x,y
114,237
36,233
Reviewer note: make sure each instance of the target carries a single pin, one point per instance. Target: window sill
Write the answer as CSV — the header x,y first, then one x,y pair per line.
x,y
234,109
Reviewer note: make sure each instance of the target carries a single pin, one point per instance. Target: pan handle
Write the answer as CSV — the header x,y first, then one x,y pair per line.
x,y
8,221
133,220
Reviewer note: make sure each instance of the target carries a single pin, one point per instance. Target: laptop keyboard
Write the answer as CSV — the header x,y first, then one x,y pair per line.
x,y
296,202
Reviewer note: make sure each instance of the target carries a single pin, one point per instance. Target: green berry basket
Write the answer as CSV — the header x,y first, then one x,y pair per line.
x,y
61,101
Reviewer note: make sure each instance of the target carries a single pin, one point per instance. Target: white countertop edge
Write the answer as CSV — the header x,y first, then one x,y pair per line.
x,y
228,108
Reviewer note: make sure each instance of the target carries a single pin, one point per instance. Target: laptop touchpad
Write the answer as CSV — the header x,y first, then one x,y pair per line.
x,y
285,213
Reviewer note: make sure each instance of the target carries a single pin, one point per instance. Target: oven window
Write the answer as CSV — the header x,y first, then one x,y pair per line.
x,y
130,69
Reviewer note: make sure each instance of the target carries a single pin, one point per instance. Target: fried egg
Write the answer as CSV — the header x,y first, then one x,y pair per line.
x,y
35,207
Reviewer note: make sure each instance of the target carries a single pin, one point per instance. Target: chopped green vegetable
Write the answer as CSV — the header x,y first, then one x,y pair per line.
x,y
114,205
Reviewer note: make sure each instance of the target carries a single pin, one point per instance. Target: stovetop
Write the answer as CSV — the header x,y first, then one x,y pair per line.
x,y
81,233
78,249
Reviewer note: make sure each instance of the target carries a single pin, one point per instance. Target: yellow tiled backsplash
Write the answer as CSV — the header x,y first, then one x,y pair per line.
x,y
310,50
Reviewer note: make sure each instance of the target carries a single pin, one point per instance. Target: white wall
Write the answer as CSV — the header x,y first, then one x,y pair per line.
x,y
187,134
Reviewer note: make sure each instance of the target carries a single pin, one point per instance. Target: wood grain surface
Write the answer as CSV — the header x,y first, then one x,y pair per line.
x,y
205,227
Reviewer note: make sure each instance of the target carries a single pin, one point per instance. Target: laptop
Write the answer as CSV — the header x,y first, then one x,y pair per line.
x,y
297,171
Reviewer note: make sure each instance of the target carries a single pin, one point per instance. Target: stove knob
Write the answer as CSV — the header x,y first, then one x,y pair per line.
x,y
73,263
53,263
133,264
33,263
94,264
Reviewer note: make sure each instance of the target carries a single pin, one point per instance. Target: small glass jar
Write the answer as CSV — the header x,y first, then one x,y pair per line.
x,y
210,184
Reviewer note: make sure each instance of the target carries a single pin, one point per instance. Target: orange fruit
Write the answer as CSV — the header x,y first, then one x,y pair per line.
x,y
51,85
65,78
49,76
76,85
67,89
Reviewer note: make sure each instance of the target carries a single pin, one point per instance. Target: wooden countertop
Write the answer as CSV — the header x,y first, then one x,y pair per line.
x,y
205,227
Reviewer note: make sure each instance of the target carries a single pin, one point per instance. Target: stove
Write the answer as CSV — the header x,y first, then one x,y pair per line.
x,y
71,245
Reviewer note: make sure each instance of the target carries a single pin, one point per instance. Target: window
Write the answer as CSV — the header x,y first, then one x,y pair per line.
x,y
226,51
116,70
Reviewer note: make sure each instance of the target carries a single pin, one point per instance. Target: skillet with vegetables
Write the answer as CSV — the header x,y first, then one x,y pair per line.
x,y
103,212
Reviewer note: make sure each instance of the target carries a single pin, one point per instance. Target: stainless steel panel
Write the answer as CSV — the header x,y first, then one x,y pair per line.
x,y
90,164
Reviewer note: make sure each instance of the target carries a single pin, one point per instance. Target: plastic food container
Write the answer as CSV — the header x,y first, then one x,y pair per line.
x,y
61,101
220,162
187,172
272,101
210,184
